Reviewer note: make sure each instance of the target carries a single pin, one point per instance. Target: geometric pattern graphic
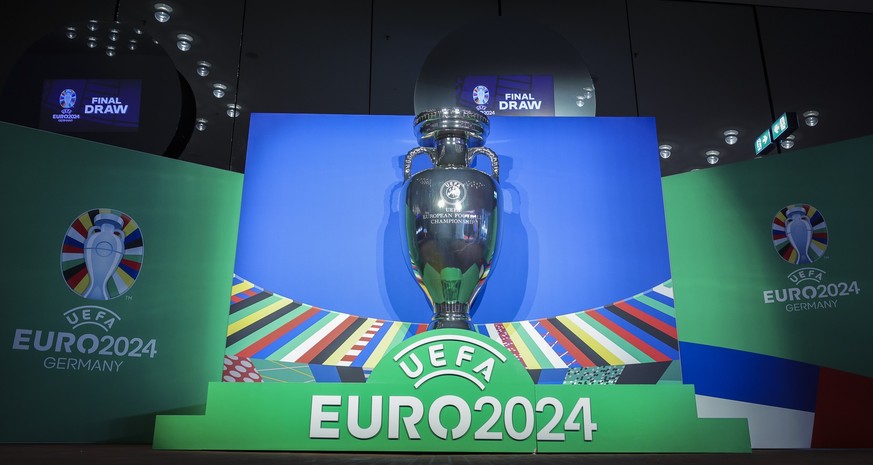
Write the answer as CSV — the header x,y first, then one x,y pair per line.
x,y
639,330
73,253
843,410
810,405
240,370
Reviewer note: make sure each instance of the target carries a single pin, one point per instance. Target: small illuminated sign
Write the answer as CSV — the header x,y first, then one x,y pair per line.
x,y
780,129
764,143
784,125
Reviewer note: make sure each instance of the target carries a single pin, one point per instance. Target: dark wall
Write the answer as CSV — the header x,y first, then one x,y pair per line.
x,y
699,67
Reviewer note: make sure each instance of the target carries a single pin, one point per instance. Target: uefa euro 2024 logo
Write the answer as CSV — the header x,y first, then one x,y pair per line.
x,y
102,254
800,234
800,237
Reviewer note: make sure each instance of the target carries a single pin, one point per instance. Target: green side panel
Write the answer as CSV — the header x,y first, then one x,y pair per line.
x,y
727,272
167,342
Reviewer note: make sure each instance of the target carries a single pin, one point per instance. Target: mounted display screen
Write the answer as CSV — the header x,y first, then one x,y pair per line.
x,y
90,105
507,95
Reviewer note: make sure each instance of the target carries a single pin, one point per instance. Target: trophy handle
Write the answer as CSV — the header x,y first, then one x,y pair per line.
x,y
495,165
407,163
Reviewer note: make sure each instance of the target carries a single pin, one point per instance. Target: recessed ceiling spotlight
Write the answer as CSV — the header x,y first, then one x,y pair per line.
x,y
712,156
184,42
218,90
131,45
113,35
92,25
92,42
730,136
665,150
110,51
810,118
233,110
203,68
200,124
162,12
788,142
71,32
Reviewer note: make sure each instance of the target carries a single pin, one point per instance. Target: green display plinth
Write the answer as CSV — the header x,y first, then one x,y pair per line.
x,y
451,391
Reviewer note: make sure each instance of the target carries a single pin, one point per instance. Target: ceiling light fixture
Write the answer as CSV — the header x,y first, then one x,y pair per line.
x,y
233,110
787,142
92,42
665,151
810,118
71,33
712,156
200,124
131,45
110,51
162,12
218,90
587,94
184,42
203,68
730,136
92,25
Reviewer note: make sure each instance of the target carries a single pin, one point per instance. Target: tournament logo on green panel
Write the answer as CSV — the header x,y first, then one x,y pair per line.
x,y
800,234
800,237
102,254
101,258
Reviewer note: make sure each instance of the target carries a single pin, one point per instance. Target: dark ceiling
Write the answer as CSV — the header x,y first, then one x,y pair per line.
x,y
699,67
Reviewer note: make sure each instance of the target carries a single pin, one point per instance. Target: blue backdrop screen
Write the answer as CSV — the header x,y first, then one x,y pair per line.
x,y
582,226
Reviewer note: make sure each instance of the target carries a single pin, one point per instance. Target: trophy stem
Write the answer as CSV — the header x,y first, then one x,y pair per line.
x,y
451,315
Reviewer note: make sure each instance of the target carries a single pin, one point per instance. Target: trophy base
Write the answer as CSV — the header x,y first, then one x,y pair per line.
x,y
451,315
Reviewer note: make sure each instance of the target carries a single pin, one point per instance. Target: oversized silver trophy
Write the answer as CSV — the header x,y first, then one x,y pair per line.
x,y
452,213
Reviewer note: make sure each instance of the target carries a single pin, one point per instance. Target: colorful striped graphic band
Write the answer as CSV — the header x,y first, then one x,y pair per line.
x,y
634,331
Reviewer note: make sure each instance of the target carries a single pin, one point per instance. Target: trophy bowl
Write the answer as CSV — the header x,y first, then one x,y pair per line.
x,y
452,213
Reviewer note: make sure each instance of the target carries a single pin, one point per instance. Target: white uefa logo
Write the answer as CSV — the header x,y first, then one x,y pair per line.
x,y
453,191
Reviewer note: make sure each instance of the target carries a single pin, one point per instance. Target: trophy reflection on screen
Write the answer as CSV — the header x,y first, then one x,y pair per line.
x,y
452,213
104,248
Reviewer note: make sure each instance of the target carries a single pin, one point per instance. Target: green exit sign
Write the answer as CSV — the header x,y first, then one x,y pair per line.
x,y
784,125
764,143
